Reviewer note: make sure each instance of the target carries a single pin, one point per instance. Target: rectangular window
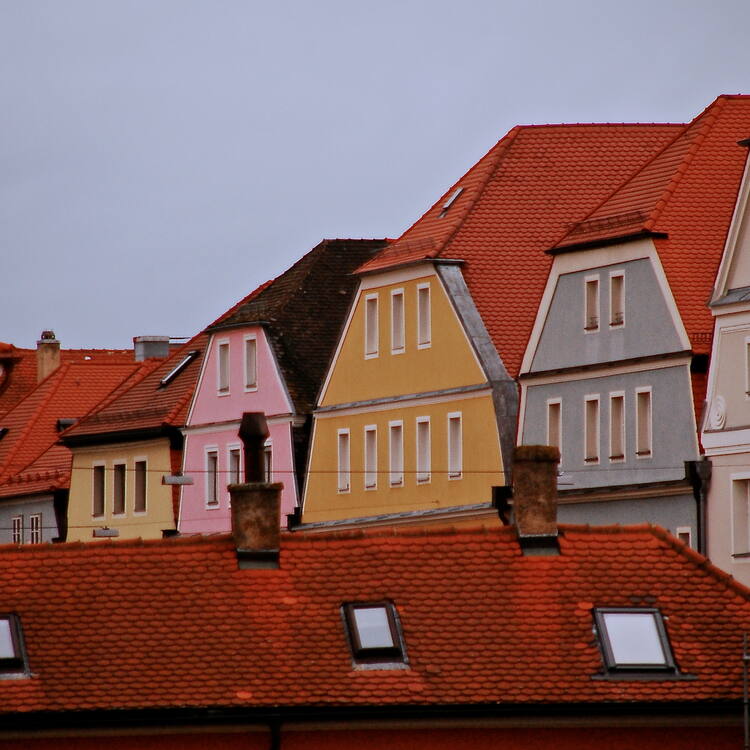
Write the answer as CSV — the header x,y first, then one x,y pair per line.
x,y
616,426
371,325
397,321
17,529
747,366
222,375
643,446
118,490
371,457
234,465
685,534
424,317
616,298
591,322
344,466
140,487
35,528
455,447
212,477
396,453
374,633
554,423
423,450
98,491
591,429
741,517
251,363
267,462
12,651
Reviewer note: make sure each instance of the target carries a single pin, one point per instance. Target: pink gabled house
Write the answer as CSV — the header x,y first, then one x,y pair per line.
x,y
269,354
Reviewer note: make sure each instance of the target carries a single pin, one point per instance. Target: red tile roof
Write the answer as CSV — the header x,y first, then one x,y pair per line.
x,y
175,623
517,201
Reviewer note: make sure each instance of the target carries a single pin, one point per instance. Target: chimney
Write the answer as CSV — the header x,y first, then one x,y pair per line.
x,y
256,505
535,498
47,355
150,347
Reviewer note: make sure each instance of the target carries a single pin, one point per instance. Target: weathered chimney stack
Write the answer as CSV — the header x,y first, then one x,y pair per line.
x,y
150,347
47,355
535,498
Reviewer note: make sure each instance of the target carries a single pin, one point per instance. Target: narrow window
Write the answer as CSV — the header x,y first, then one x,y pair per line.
x,y
554,423
591,322
223,365
643,422
118,490
741,517
616,299
397,321
423,449
234,466
267,462
685,534
12,652
98,491
35,528
17,529
616,426
747,366
371,457
344,471
424,317
371,325
591,436
212,477
455,447
140,487
374,633
396,453
251,363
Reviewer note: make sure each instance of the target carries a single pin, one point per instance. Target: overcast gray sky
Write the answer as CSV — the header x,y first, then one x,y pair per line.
x,y
161,158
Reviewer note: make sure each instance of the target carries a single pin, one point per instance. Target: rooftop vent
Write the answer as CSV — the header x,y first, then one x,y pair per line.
x,y
64,422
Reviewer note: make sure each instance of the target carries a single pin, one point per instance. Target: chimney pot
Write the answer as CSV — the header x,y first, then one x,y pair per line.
x,y
256,520
535,496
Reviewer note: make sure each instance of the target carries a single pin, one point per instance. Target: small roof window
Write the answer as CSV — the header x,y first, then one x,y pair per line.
x,y
374,632
634,640
172,374
12,654
449,202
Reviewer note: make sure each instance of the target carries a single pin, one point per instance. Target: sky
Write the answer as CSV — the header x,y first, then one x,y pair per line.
x,y
159,159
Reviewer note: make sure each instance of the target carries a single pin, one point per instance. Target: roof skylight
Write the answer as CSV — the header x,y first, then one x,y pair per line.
x,y
374,632
451,199
172,374
11,645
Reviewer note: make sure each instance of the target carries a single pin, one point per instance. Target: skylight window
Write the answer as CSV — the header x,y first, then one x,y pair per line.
x,y
374,632
11,645
451,200
633,640
172,374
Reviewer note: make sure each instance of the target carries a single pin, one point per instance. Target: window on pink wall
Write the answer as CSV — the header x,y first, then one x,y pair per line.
x,y
212,477
251,363
223,367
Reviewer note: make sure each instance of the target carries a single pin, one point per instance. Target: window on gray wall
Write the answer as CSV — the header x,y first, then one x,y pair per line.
x,y
17,529
35,528
591,429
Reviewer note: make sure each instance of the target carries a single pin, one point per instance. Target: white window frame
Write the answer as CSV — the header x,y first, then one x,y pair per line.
x,y
591,398
455,447
740,516
617,275
207,451
17,530
124,463
370,462
747,368
223,345
619,458
234,448
681,531
268,461
396,453
424,320
554,440
343,461
103,466
250,387
641,454
136,461
371,327
398,329
423,451
589,315
36,535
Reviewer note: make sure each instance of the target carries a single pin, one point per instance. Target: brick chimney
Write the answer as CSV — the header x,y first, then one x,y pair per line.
x,y
535,498
47,355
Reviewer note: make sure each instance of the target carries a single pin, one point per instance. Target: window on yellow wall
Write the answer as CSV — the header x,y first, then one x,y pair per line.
x,y
396,453
98,491
423,450
455,447
140,487
344,468
371,325
397,321
371,457
424,313
118,495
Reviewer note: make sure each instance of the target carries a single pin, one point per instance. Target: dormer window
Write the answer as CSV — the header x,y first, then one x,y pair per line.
x,y
12,654
374,632
633,640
